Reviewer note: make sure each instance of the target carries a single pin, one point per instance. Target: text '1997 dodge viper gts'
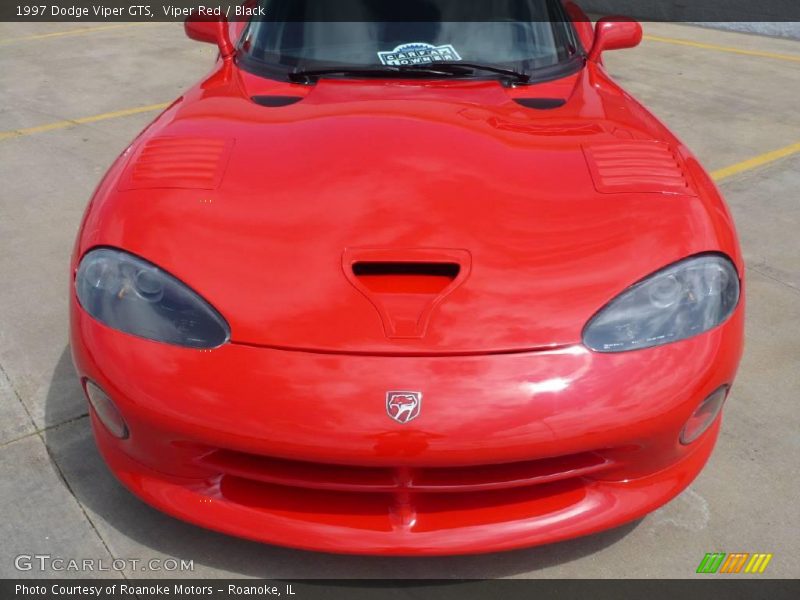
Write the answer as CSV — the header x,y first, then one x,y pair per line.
x,y
398,286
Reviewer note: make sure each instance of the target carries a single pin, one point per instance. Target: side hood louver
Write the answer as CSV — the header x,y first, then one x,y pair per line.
x,y
178,163
636,166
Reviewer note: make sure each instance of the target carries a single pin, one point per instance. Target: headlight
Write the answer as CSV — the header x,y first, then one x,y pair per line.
x,y
678,302
134,296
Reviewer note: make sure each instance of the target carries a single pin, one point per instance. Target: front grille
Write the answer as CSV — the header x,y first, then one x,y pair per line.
x,y
346,478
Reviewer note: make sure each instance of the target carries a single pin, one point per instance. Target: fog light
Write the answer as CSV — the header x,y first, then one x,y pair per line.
x,y
106,411
704,415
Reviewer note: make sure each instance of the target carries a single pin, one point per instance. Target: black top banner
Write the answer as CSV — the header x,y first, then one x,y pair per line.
x,y
445,589
394,10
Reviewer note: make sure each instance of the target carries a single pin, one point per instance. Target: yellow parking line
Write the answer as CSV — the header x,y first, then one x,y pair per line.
x,y
762,54
69,32
4,135
756,161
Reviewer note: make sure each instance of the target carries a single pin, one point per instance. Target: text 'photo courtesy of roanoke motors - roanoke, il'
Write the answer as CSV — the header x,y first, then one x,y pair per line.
x,y
455,299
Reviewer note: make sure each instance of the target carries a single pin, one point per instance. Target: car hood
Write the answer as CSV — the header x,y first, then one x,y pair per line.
x,y
406,217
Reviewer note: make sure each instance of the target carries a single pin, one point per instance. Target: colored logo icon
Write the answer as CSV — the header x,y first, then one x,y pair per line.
x,y
736,562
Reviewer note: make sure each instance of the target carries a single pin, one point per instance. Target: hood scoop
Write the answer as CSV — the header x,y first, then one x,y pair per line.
x,y
636,166
178,163
405,286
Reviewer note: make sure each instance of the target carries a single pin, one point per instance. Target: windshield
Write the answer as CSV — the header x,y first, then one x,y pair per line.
x,y
531,36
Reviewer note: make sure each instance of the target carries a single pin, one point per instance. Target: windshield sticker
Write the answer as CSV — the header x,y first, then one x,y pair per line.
x,y
418,53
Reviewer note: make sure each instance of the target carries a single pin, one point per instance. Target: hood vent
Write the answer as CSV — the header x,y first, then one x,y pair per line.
x,y
636,166
541,103
405,286
276,101
179,163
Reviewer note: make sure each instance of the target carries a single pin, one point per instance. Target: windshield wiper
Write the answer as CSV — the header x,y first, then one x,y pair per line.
x,y
311,75
459,68
431,68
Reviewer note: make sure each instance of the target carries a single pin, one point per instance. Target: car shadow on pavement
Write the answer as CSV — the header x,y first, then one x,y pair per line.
x,y
133,530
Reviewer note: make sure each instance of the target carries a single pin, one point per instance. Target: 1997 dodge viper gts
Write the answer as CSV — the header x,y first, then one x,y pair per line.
x,y
407,287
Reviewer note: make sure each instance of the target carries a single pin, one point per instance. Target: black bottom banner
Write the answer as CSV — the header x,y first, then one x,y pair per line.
x,y
445,589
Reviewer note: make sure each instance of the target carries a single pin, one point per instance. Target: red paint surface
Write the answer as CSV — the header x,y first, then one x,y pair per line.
x,y
524,436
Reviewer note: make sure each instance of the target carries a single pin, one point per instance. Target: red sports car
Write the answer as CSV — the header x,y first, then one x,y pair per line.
x,y
407,287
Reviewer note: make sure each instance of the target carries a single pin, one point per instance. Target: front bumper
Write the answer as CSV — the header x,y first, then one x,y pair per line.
x,y
510,450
